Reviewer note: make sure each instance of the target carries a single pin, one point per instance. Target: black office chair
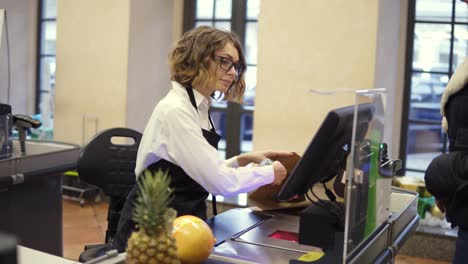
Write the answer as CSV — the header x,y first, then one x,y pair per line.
x,y
109,166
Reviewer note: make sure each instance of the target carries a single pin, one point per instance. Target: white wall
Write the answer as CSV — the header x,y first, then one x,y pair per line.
x,y
22,29
324,45
151,34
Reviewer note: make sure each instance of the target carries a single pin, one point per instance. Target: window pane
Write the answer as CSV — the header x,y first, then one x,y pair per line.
x,y
204,9
218,101
250,84
415,174
461,12
251,31
49,9
434,10
427,88
246,132
223,9
219,121
460,45
47,90
425,112
222,153
425,142
223,25
253,9
432,44
203,23
48,37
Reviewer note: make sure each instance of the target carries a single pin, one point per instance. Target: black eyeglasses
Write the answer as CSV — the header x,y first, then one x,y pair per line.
x,y
227,64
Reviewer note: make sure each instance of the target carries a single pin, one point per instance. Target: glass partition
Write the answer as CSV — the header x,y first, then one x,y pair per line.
x,y
360,170
4,61
368,175
6,149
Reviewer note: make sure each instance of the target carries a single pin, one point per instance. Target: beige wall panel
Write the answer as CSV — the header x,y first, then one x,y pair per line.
x,y
303,45
92,57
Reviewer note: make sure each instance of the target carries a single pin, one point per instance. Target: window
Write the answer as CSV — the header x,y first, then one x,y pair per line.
x,y
437,45
45,83
234,122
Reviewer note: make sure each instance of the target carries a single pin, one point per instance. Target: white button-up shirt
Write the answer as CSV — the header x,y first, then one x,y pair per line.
x,y
174,133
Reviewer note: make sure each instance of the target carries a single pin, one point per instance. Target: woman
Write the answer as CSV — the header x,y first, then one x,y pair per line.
x,y
180,135
447,175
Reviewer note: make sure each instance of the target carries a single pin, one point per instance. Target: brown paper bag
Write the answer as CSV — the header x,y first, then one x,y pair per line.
x,y
265,197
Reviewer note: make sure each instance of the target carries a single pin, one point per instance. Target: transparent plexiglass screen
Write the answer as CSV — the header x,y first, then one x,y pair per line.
x,y
367,189
5,119
4,82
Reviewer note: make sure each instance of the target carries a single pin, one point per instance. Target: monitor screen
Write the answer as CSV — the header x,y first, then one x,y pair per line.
x,y
327,152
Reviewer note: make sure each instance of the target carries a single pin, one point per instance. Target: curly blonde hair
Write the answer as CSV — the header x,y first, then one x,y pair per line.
x,y
189,59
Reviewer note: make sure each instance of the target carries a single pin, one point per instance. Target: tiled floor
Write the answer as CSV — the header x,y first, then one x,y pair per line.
x,y
87,225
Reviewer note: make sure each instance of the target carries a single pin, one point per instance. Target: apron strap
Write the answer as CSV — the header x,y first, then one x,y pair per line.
x,y
194,103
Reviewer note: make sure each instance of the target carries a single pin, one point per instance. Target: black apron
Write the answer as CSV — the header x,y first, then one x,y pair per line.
x,y
188,196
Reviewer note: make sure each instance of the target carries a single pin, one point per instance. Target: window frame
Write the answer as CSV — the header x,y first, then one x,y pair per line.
x,y
39,55
233,111
409,71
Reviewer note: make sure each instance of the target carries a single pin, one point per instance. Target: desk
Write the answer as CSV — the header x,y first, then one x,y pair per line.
x,y
32,256
31,194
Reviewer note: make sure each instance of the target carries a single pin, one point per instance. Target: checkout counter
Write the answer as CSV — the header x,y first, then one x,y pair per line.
x,y
255,244
377,218
372,224
31,193
246,237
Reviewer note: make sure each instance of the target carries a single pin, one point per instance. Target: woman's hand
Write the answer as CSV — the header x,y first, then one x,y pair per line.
x,y
258,156
280,173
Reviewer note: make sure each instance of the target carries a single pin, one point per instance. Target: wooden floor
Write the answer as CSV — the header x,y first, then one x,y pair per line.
x,y
82,226
87,225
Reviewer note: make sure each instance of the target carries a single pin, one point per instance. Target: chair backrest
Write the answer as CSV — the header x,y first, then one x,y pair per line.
x,y
107,165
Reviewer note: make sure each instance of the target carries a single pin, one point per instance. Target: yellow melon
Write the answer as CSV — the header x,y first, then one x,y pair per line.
x,y
194,239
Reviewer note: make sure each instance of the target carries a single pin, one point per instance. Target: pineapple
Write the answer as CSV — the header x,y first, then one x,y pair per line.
x,y
153,242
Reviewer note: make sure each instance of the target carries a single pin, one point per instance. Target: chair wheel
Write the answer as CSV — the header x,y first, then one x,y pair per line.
x,y
82,202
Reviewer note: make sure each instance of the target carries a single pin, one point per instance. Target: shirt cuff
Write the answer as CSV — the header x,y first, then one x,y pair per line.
x,y
267,173
232,162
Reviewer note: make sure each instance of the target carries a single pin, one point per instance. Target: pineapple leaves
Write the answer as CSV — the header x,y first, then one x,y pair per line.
x,y
151,206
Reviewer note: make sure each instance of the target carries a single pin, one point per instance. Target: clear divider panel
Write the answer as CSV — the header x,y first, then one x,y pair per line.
x,y
367,186
4,61
5,117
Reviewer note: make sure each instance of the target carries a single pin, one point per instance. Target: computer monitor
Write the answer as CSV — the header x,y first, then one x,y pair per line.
x,y
327,152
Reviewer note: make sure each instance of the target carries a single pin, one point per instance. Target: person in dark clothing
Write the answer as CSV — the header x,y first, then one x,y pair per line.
x,y
447,175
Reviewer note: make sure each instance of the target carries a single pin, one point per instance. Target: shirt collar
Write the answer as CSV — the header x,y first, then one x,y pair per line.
x,y
199,98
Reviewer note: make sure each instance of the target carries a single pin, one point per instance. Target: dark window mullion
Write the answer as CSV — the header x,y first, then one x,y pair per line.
x,y
190,7
407,86
234,110
48,19
432,72
433,22
416,170
452,37
423,122
233,118
38,57
212,20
